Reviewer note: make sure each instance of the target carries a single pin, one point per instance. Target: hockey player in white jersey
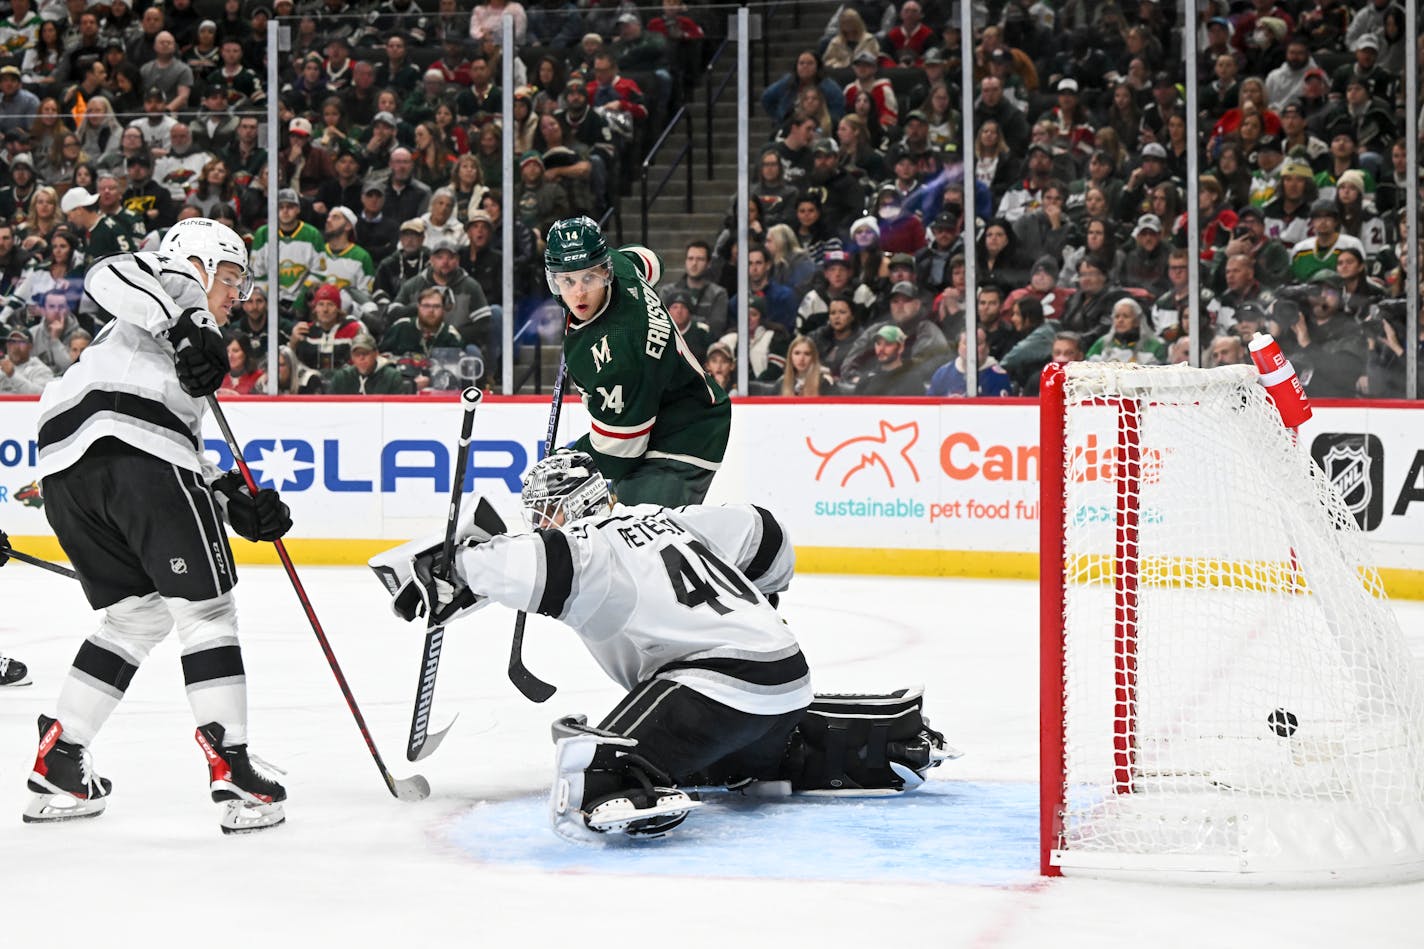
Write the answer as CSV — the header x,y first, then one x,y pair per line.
x,y
139,511
673,604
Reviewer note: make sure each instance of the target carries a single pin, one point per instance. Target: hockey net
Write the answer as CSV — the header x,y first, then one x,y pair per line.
x,y
1226,693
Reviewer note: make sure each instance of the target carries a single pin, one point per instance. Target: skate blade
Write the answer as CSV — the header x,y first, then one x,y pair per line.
x,y
616,816
15,685
53,808
240,817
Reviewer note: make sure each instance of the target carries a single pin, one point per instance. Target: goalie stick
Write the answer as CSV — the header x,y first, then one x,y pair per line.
x,y
531,686
421,742
413,788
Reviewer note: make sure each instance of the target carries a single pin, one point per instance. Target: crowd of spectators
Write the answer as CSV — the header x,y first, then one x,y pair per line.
x,y
856,254
121,118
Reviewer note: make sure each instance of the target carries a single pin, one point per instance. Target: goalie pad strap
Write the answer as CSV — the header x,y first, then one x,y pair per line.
x,y
854,743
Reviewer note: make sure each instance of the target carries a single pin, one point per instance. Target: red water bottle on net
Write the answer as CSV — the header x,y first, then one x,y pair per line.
x,y
1280,380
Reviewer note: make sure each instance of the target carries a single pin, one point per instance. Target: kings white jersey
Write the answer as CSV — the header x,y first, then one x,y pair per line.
x,y
677,593
125,386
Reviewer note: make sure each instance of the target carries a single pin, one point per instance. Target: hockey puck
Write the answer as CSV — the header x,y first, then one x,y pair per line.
x,y
1283,723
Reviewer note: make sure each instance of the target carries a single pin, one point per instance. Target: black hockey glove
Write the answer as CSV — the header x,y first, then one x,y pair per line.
x,y
199,353
263,517
4,548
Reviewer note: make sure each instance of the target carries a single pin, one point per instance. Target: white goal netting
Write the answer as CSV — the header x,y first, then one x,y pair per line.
x,y
1237,693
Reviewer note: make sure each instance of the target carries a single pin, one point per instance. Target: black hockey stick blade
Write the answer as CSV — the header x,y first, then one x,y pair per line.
x,y
530,686
426,747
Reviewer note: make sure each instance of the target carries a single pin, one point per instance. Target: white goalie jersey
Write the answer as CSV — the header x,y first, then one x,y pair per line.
x,y
125,386
678,593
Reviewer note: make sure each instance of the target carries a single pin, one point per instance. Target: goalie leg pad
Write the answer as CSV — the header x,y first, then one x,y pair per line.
x,y
864,745
602,786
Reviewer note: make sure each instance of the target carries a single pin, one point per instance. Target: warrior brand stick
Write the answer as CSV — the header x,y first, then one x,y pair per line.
x,y
534,688
422,742
413,788
34,561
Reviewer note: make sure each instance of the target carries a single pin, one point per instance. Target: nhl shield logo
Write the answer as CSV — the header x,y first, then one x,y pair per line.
x,y
1354,463
178,565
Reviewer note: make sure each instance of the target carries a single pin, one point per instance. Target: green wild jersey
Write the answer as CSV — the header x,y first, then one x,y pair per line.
x,y
646,395
297,255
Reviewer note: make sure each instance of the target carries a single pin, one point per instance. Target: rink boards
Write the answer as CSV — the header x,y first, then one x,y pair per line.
x,y
888,486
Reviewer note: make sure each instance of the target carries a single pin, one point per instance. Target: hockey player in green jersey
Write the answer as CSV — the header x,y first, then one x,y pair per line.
x,y
658,422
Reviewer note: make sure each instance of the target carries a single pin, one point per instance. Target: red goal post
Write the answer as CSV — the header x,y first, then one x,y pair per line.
x,y
1225,694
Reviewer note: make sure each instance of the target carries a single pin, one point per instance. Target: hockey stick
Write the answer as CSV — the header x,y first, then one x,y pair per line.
x,y
534,688
34,561
413,788
420,742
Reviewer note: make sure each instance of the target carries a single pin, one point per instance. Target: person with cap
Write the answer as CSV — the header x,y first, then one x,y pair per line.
x,y
1358,216
1318,252
1266,176
890,373
852,38
214,128
18,106
1152,170
16,196
924,345
469,311
147,199
834,281
323,340
376,230
20,372
168,74
342,261
304,165
480,257
1370,118
408,259
933,269
102,235
1343,157
1144,266
884,107
1378,81
156,122
639,50
1288,216
203,55
694,332
1075,123
538,203
345,188
368,373
299,245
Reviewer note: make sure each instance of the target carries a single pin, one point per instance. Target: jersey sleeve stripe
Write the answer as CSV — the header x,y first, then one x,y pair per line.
x,y
624,431
768,546
558,574
157,415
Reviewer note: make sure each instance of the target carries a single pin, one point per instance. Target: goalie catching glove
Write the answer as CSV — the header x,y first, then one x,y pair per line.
x,y
199,353
419,581
263,516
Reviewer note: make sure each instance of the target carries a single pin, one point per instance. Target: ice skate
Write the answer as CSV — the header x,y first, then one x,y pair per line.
x,y
63,779
253,800
13,672
645,812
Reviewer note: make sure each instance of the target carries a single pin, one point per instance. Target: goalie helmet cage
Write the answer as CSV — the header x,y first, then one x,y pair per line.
x,y
1225,693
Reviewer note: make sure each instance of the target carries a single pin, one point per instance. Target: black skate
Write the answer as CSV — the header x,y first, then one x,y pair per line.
x,y
63,779
253,800
13,672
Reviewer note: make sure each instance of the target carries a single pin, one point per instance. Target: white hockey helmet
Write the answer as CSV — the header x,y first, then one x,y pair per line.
x,y
567,481
210,243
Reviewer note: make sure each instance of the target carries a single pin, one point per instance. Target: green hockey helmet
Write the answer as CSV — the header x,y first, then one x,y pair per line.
x,y
572,245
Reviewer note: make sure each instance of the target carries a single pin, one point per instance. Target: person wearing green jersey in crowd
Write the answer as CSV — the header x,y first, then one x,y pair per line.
x,y
658,422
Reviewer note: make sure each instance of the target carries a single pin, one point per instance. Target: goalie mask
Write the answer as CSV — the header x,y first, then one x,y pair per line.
x,y
562,488
210,243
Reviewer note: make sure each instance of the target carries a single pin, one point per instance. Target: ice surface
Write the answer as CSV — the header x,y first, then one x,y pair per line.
x,y
952,865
